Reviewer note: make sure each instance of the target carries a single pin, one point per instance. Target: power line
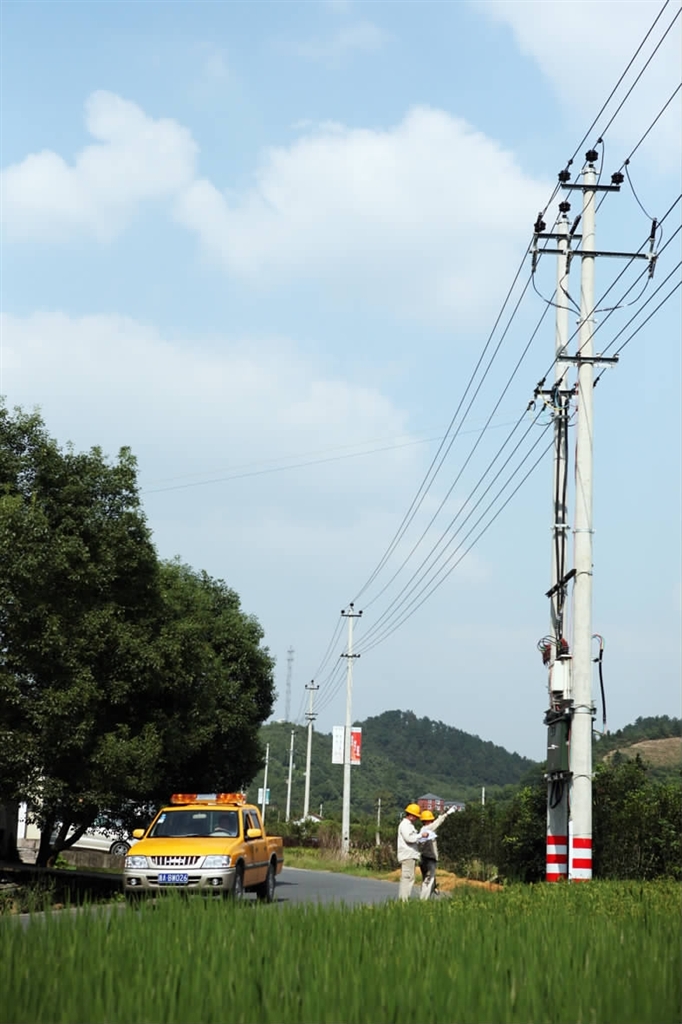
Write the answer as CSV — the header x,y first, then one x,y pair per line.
x,y
440,455
431,473
646,65
615,88
436,583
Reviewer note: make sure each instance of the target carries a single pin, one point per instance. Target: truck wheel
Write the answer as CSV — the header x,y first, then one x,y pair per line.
x,y
266,891
237,893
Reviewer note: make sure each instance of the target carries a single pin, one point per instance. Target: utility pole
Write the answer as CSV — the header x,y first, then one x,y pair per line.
x,y
345,816
580,757
265,782
554,648
571,710
378,834
291,769
310,715
287,703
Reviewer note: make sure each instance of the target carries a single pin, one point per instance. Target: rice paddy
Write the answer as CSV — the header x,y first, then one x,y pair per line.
x,y
603,953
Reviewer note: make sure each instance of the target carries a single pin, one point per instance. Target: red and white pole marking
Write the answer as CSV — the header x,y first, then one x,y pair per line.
x,y
581,858
557,858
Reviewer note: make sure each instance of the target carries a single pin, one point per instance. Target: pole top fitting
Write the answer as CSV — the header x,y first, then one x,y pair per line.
x,y
564,207
591,155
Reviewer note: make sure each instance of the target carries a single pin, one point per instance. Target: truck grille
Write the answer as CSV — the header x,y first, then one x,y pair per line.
x,y
174,862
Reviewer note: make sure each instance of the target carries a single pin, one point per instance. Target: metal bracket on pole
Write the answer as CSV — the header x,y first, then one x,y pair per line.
x,y
592,360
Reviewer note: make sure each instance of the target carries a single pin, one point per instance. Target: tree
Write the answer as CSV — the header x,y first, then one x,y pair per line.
x,y
79,582
120,678
215,686
523,829
636,822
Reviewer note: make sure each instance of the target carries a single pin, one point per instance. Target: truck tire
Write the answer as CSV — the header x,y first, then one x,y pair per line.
x,y
237,891
266,890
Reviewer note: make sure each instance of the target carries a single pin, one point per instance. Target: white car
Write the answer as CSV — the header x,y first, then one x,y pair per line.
x,y
104,837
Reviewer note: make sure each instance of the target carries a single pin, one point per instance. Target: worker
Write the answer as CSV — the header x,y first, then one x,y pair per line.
x,y
429,850
409,849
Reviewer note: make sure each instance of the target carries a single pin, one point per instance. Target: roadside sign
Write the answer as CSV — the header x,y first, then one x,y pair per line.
x,y
337,744
355,744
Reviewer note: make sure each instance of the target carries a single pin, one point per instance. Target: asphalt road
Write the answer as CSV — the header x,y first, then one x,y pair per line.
x,y
294,885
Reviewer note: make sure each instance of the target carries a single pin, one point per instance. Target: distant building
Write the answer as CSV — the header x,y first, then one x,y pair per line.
x,y
431,802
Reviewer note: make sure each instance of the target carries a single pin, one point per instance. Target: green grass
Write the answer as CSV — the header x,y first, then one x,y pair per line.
x,y
323,860
603,953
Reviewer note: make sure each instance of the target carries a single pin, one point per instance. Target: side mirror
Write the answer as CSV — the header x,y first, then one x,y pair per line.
x,y
254,833
138,833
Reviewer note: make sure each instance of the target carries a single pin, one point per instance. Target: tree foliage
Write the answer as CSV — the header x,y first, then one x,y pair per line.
x,y
121,677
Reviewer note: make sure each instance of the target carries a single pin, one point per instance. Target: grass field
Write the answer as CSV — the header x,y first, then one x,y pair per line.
x,y
603,953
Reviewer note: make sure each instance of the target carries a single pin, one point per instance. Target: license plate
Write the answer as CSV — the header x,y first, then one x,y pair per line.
x,y
173,878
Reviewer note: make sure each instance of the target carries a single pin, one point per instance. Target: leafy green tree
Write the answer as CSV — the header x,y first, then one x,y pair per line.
x,y
523,831
636,822
471,835
215,686
121,679
78,585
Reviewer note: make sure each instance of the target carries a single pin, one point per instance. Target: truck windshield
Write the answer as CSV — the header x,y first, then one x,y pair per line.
x,y
176,824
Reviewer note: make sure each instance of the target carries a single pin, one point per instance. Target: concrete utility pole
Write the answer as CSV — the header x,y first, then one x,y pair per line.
x,y
345,816
554,648
571,710
310,715
291,769
378,832
287,703
265,782
580,825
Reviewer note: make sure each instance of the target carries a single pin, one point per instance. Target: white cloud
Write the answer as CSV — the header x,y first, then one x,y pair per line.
x,y
134,158
355,37
422,215
194,412
584,47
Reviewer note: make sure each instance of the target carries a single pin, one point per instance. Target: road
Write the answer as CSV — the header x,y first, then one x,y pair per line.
x,y
294,885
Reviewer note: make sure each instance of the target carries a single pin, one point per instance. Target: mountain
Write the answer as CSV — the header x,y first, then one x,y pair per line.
x,y
403,757
657,740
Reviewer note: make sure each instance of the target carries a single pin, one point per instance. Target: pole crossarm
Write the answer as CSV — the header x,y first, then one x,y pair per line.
x,y
565,579
592,360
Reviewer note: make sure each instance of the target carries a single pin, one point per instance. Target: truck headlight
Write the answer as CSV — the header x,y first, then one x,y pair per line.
x,y
217,861
136,861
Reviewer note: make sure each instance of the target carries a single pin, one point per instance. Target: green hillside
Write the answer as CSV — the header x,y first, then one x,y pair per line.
x,y
403,757
656,740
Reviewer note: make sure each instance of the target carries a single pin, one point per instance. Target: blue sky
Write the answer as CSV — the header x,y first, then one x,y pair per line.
x,y
263,244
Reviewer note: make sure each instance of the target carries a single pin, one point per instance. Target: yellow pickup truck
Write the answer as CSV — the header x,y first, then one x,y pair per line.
x,y
213,843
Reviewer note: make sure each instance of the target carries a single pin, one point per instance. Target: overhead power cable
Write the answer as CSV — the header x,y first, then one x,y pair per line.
x,y
643,69
613,92
440,454
446,571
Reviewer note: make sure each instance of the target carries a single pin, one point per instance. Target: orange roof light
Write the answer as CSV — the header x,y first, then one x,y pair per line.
x,y
208,798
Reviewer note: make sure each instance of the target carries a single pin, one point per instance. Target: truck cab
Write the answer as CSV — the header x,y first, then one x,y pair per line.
x,y
213,843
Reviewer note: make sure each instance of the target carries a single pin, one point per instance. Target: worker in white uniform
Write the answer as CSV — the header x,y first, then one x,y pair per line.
x,y
409,849
429,850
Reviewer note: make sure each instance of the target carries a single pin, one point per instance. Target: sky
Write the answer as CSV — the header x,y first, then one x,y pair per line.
x,y
266,245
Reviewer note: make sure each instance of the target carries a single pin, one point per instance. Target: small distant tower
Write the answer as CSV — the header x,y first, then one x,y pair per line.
x,y
290,665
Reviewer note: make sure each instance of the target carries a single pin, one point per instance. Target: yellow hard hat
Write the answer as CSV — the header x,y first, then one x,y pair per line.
x,y
427,816
413,809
